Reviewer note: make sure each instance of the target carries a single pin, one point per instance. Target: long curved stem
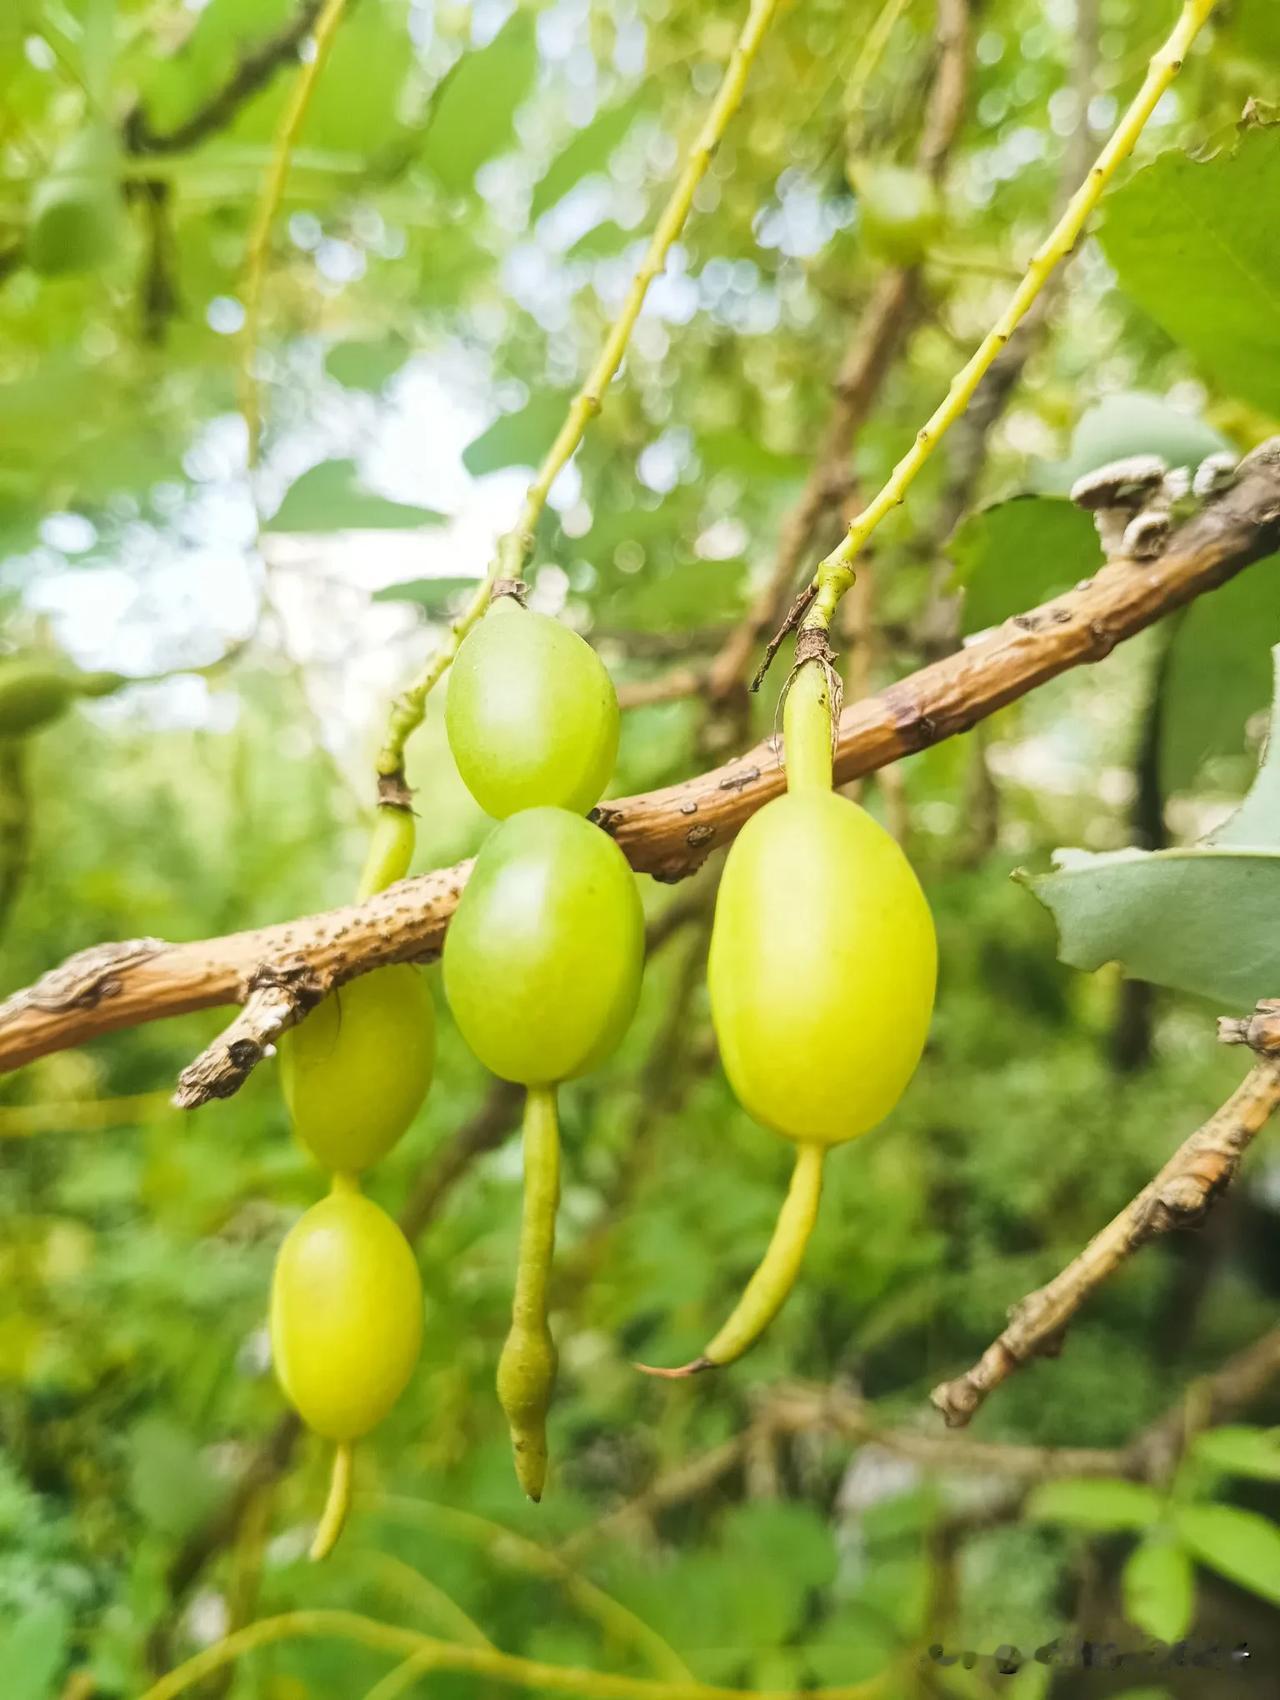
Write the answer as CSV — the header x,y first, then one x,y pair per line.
x,y
507,1668
767,1290
833,571
513,549
527,1367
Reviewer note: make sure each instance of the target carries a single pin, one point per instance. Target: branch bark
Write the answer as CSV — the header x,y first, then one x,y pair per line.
x,y
667,833
1178,1197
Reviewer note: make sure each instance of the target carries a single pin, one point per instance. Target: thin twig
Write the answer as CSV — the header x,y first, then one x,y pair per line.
x,y
514,547
252,73
670,832
1202,1167
833,571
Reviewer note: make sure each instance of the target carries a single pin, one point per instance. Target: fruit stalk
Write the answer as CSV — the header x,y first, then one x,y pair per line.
x,y
527,1367
337,1506
390,850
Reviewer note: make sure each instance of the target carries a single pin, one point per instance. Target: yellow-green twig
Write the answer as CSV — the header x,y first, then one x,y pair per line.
x,y
868,60
506,1668
507,1547
269,205
833,575
514,547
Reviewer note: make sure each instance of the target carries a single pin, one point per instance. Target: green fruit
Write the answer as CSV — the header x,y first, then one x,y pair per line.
x,y
899,211
543,957
355,1072
532,715
821,969
74,223
33,691
346,1315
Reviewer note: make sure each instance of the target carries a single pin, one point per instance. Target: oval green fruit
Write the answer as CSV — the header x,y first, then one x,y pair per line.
x,y
346,1315
355,1072
33,691
74,223
543,957
899,211
532,715
821,969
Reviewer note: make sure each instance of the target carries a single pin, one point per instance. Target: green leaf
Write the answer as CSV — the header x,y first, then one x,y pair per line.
x,y
603,242
1102,1502
366,365
588,150
474,113
1158,1585
1241,1451
1115,907
434,596
33,1651
170,1486
1219,674
517,439
1130,422
330,497
735,450
1010,556
1190,245
1241,1545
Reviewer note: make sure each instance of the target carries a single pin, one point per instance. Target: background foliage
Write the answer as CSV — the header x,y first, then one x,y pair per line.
x,y
468,201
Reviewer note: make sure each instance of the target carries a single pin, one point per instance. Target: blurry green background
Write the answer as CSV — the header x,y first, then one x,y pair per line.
x,y
471,193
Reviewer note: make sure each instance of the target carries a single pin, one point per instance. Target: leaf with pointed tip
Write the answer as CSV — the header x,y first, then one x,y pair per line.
x,y
1101,1502
435,596
1241,1545
517,439
473,117
330,497
1158,1585
586,151
1241,1451
1200,919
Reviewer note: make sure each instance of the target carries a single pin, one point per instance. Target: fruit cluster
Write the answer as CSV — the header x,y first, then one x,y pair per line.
x,y
821,979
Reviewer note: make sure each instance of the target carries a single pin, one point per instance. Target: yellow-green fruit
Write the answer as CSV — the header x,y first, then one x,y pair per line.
x,y
75,211
346,1315
821,969
355,1072
33,691
899,211
543,957
532,715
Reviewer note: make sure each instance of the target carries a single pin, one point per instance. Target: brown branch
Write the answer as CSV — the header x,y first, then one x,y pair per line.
x,y
1260,1031
1178,1197
252,73
669,832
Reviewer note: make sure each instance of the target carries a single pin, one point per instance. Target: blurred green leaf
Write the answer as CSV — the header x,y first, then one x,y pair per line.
x,y
1241,1451
1130,422
366,365
1158,1583
735,450
603,242
473,117
1188,244
1015,554
330,497
1101,1502
34,1650
169,1482
1241,1545
1115,906
587,150
435,596
517,439
1219,674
